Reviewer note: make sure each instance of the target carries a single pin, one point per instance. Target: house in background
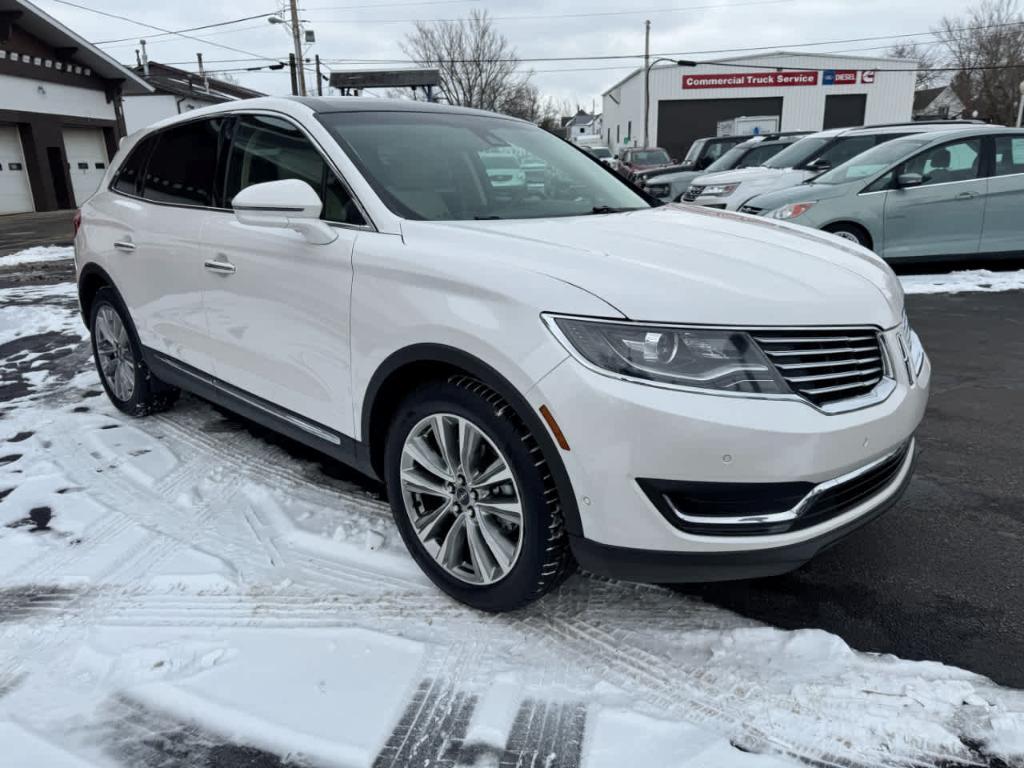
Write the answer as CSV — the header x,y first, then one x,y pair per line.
x,y
176,91
940,103
582,125
60,111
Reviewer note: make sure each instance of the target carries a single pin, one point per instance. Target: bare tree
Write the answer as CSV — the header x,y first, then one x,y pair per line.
x,y
926,59
986,45
478,65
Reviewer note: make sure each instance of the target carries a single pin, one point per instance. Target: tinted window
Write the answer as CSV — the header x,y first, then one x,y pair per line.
x,y
649,157
271,149
799,153
847,148
871,162
1009,155
183,165
957,161
130,175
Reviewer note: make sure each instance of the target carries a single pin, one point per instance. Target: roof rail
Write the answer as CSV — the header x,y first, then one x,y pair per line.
x,y
918,122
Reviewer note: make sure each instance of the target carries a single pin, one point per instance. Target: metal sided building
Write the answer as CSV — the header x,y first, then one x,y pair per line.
x,y
808,92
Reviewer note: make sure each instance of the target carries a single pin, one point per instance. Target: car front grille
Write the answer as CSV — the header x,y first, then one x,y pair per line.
x,y
692,193
823,365
657,190
753,210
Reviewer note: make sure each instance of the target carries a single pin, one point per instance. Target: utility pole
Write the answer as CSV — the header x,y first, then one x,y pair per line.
x,y
297,39
319,78
1020,108
202,73
291,69
647,81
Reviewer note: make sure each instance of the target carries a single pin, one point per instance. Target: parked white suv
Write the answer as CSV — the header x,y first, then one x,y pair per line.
x,y
657,393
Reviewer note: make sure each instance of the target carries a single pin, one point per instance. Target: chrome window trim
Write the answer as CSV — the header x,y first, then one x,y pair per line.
x,y
797,510
369,226
882,391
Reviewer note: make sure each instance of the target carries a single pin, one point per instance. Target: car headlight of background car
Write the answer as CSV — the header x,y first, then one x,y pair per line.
x,y
790,211
722,360
719,190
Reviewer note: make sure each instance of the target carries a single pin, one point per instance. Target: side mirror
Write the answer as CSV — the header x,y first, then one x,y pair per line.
x,y
819,165
910,180
285,204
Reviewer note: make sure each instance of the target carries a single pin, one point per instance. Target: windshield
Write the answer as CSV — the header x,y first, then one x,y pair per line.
x,y
599,151
798,153
433,166
871,162
649,157
694,152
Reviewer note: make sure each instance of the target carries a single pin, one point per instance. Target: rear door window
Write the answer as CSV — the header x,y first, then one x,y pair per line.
x,y
266,148
183,167
130,174
1009,155
846,148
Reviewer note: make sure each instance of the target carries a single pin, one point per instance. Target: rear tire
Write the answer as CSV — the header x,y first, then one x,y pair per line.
x,y
851,232
125,377
461,529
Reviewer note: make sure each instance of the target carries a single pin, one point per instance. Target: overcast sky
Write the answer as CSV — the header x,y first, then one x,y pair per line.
x,y
351,33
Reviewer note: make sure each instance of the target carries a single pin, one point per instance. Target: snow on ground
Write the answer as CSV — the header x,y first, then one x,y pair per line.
x,y
966,280
37,254
181,591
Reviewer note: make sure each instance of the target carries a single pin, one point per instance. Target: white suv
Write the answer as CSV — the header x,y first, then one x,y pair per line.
x,y
656,393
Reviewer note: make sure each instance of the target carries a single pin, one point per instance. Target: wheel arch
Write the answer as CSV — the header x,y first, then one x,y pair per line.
x,y
91,278
404,370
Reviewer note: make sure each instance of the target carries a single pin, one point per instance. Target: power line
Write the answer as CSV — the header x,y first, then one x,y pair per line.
x,y
678,54
385,5
161,29
151,39
589,14
189,29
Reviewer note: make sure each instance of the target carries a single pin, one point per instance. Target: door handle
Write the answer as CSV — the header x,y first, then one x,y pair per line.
x,y
220,267
124,245
966,196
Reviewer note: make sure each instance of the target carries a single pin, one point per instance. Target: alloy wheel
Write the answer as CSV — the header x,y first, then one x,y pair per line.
x,y
114,352
462,499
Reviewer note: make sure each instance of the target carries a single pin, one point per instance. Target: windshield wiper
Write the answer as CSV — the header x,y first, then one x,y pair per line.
x,y
610,209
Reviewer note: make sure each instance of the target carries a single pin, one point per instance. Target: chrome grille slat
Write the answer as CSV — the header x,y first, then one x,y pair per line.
x,y
784,367
858,373
822,365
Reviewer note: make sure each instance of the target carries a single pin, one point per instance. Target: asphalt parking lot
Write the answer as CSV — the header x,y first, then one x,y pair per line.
x,y
940,576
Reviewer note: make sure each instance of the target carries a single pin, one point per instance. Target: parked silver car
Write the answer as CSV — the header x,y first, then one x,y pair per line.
x,y
953,194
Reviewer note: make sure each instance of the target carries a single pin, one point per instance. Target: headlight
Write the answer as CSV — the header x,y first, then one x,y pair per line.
x,y
790,211
687,357
719,190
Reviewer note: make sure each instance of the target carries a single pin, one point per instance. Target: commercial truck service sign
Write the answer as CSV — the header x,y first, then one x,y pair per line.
x,y
751,80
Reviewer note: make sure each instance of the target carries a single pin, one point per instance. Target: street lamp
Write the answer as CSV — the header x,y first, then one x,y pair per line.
x,y
647,89
1020,108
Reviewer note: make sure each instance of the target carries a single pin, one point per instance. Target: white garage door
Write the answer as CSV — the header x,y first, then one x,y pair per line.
x,y
15,188
87,160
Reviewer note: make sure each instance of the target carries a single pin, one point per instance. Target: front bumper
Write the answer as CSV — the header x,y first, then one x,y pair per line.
x,y
620,432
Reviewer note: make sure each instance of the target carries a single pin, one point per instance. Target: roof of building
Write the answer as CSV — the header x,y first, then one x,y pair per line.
x,y
167,79
773,54
581,118
924,97
50,31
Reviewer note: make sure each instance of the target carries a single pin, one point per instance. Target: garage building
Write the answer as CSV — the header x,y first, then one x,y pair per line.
x,y
60,111
807,92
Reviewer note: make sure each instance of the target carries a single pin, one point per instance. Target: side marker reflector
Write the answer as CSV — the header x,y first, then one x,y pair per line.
x,y
555,429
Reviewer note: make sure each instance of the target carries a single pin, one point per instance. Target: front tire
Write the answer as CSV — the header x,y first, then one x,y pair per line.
x,y
473,498
851,232
127,380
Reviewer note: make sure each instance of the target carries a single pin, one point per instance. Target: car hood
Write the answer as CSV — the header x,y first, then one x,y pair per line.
x,y
689,265
672,177
804,193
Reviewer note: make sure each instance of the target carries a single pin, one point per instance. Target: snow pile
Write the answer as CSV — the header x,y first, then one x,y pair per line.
x,y
967,280
37,254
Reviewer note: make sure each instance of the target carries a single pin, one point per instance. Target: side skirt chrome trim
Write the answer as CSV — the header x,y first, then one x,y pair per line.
x,y
278,413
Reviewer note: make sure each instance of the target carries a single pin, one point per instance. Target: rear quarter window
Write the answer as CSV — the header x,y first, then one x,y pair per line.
x,y
130,173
